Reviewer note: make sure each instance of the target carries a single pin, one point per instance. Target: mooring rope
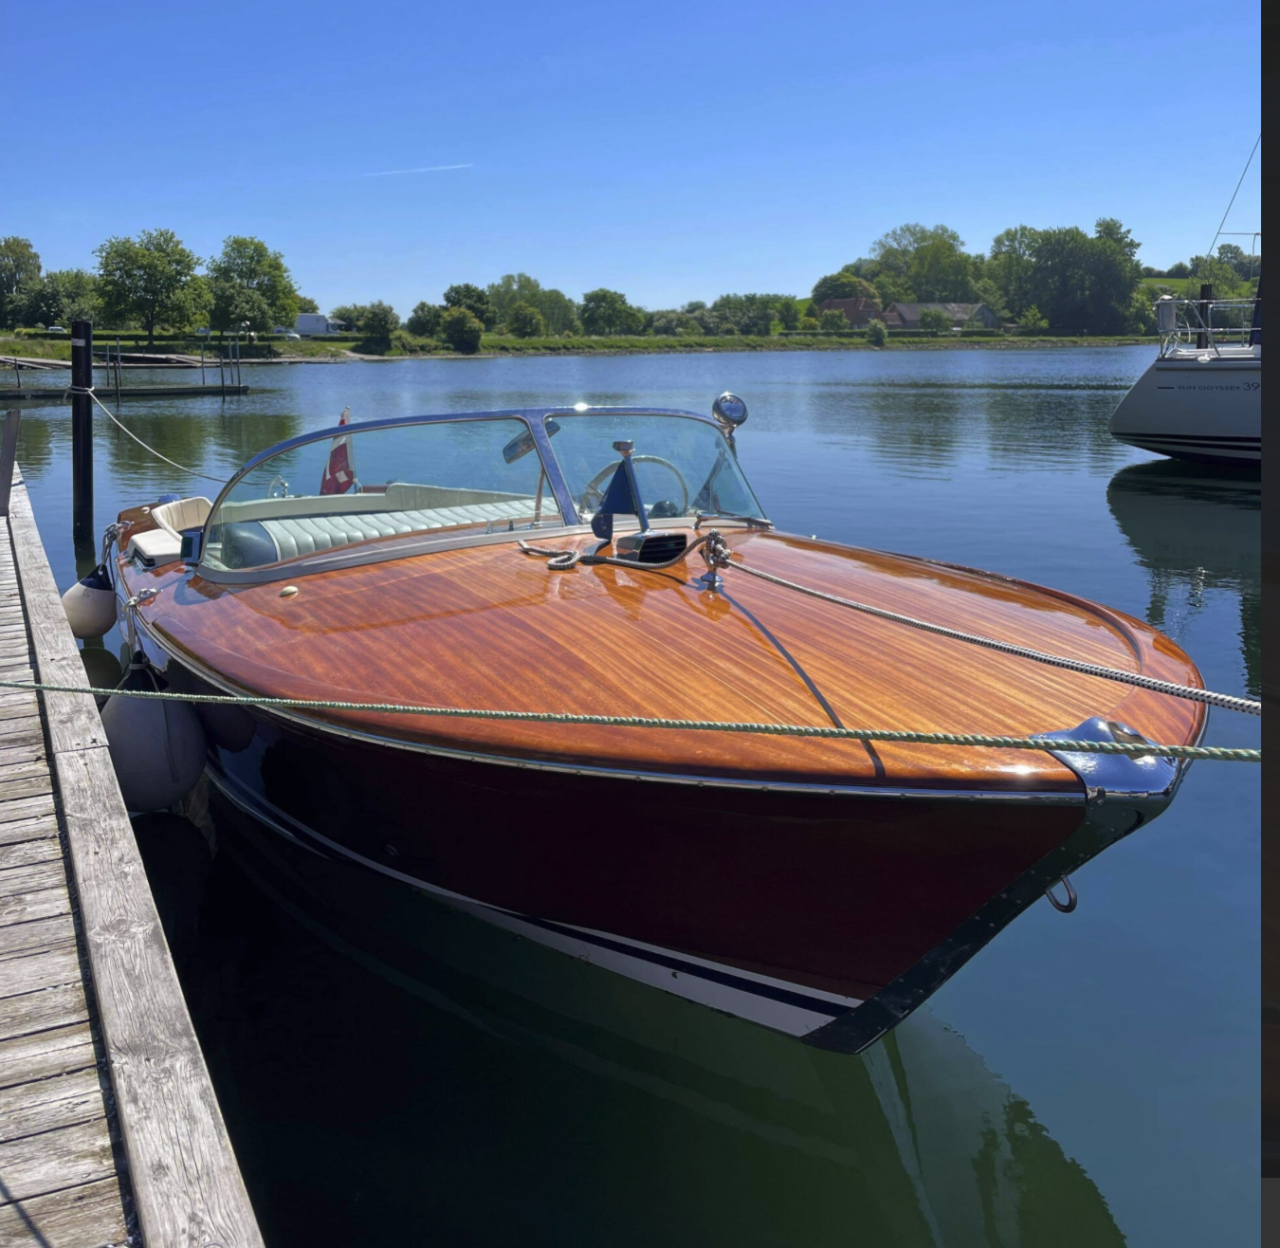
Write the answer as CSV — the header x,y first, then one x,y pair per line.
x,y
970,739
145,446
717,555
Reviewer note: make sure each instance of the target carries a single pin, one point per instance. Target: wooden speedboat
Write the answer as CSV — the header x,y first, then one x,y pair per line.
x,y
820,887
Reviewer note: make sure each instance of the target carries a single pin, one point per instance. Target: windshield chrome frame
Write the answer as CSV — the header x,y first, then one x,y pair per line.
x,y
534,419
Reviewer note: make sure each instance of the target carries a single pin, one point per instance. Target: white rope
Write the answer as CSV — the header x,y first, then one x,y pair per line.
x,y
124,429
717,555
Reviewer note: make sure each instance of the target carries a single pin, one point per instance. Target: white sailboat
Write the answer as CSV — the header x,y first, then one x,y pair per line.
x,y
1202,396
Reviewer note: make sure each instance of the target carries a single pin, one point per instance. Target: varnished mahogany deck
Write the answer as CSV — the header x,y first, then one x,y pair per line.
x,y
488,627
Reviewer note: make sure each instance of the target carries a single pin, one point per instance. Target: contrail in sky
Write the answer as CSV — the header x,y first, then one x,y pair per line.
x,y
392,173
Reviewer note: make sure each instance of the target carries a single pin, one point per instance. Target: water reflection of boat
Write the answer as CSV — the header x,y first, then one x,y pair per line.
x,y
663,1121
821,887
1195,527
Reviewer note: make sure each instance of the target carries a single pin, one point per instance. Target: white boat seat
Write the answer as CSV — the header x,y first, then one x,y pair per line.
x,y
253,543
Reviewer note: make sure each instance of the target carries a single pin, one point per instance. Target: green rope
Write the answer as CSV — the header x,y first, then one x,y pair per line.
x,y
1218,753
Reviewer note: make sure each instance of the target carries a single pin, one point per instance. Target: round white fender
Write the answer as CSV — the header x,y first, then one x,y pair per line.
x,y
157,749
90,604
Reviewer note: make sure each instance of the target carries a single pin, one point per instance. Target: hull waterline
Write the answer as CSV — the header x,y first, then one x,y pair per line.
x,y
1206,410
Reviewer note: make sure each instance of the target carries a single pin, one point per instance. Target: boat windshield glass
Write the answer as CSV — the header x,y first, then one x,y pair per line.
x,y
470,476
683,465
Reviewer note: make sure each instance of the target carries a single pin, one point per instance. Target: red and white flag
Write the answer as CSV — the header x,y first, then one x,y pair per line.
x,y
340,471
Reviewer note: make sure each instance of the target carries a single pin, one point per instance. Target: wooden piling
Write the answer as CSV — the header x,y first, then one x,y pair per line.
x,y
1206,298
81,428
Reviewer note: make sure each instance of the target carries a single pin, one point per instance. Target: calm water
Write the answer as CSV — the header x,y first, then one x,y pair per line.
x,y
1089,1079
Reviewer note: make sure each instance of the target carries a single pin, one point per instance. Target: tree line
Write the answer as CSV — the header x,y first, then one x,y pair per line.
x,y
1062,279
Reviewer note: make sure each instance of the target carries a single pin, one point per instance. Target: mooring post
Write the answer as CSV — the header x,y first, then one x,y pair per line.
x,y
8,453
81,428
117,372
1206,297
202,361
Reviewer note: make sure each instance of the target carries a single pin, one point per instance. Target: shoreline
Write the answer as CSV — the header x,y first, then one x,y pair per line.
x,y
574,348
1009,344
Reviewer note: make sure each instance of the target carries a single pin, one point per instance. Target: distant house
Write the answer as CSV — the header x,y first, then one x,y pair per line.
x,y
907,315
859,311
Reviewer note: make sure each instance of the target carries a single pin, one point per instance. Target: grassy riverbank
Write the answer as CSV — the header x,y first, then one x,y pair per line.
x,y
405,346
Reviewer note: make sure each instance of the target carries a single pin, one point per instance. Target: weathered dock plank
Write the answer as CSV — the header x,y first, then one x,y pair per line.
x,y
88,1216
20,939
185,1184
39,1055
66,1157
39,970
41,905
63,1101
38,1011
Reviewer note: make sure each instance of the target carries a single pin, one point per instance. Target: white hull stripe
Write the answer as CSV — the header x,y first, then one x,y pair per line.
x,y
775,1003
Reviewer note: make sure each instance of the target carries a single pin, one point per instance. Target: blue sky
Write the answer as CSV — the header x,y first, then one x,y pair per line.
x,y
671,151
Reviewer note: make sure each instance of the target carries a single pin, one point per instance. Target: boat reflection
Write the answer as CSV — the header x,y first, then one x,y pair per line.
x,y
1196,527
394,1071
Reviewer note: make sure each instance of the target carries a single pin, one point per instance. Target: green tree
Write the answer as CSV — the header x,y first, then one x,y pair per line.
x,y
670,324
511,289
831,320
380,321
877,333
148,279
352,315
1114,277
461,329
845,284
926,263
1060,282
525,321
808,324
606,313
237,308
307,304
1218,273
424,320
934,321
1179,270
250,282
1010,267
19,266
788,313
474,299
58,298
560,312
1031,321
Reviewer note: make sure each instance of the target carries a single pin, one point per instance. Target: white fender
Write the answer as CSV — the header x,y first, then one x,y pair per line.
x,y
90,605
157,749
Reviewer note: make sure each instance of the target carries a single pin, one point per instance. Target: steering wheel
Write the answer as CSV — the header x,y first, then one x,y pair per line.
x,y
593,495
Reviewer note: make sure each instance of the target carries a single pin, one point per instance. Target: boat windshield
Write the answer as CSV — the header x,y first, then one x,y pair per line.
x,y
374,484
683,465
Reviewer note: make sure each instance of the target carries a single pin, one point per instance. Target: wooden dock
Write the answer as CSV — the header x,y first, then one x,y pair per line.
x,y
110,1131
58,394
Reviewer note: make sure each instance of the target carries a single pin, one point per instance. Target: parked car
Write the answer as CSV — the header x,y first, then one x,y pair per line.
x,y
203,331
55,329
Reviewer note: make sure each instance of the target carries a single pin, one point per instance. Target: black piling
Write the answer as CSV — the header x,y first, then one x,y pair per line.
x,y
1206,299
81,428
